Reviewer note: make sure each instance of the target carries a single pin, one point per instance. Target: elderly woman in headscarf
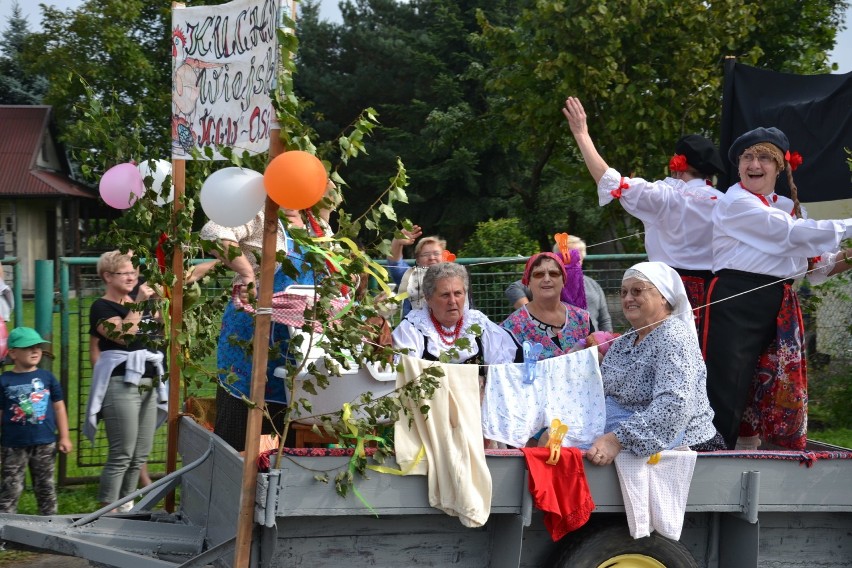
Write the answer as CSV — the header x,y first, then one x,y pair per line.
x,y
547,319
654,377
758,245
433,329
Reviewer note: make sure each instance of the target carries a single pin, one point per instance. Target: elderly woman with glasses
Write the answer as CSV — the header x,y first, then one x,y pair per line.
x,y
752,342
653,375
546,319
427,252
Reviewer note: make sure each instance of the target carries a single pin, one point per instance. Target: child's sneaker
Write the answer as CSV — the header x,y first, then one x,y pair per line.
x,y
125,508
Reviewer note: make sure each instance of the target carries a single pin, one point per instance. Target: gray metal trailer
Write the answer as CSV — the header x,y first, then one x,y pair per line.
x,y
768,509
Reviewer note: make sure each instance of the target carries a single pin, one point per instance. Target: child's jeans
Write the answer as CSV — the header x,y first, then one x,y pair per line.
x,y
41,460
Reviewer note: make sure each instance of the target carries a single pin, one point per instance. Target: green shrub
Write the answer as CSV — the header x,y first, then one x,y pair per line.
x,y
498,237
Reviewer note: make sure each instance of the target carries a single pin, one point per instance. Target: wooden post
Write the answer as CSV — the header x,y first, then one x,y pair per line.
x,y
176,320
260,358
176,307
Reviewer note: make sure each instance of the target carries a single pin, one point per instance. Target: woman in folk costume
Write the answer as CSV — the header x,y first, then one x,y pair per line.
x,y
549,319
761,248
653,375
433,329
233,361
675,211
451,437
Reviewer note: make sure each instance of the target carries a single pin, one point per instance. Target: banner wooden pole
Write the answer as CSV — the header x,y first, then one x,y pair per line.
x,y
176,319
260,358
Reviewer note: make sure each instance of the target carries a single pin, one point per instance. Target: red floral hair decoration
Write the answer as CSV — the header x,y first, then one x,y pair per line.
x,y
678,163
794,159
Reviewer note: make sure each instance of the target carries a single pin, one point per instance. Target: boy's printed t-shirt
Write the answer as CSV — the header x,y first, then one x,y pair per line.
x,y
26,400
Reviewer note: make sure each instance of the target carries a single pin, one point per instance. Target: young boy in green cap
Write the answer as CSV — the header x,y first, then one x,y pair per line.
x,y
31,412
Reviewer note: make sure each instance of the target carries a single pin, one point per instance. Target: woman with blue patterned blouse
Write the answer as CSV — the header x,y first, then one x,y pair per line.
x,y
654,377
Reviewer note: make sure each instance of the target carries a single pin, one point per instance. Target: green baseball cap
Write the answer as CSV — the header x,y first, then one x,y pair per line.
x,y
22,337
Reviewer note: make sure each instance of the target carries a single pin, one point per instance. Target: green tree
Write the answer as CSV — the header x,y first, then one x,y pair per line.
x,y
17,86
410,61
498,237
120,50
647,71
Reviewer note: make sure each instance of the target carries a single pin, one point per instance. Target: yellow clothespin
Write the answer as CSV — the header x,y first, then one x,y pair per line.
x,y
655,459
554,442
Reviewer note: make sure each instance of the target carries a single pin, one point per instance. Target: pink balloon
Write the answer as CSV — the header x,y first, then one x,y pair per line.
x,y
121,186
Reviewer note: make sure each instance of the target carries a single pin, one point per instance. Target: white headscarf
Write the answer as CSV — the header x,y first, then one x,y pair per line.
x,y
668,282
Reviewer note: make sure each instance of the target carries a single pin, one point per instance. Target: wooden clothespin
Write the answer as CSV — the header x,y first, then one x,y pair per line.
x,y
554,442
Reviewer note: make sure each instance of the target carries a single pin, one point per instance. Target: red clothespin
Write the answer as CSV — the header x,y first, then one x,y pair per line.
x,y
554,442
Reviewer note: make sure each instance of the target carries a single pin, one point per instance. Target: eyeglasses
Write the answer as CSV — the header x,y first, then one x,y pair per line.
x,y
635,291
436,254
552,273
132,273
764,158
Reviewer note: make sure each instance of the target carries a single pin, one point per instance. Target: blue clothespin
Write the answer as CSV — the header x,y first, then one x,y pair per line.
x,y
531,353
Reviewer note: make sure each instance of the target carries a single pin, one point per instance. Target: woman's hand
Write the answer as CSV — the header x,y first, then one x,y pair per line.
x,y
248,291
575,114
144,293
604,450
410,236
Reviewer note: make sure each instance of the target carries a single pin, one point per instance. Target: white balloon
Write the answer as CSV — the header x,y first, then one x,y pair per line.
x,y
233,196
162,168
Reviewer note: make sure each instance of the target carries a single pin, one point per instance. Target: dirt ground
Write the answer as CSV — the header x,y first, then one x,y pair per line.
x,y
39,560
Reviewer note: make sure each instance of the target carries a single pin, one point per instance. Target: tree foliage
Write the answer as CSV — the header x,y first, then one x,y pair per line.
x,y
120,50
17,86
498,237
410,61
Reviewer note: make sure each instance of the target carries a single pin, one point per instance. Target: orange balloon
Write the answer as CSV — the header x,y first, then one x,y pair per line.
x,y
295,180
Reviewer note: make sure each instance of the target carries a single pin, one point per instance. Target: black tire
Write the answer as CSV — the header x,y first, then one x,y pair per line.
x,y
611,546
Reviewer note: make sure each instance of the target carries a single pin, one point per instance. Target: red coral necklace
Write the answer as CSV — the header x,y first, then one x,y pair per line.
x,y
447,337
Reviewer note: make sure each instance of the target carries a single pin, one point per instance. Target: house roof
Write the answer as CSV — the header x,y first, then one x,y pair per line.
x,y
24,133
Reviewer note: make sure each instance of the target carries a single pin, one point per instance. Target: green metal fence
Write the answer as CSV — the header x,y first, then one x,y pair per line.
x,y
80,286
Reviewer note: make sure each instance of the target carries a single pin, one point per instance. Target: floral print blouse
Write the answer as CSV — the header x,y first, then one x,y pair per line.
x,y
524,327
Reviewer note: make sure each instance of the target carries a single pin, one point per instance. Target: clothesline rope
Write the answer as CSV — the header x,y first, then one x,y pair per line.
x,y
503,261
484,365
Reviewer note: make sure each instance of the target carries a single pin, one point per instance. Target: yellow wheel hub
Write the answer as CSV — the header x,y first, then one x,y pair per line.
x,y
631,561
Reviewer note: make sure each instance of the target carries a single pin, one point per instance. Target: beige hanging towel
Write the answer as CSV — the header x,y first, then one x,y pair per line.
x,y
459,480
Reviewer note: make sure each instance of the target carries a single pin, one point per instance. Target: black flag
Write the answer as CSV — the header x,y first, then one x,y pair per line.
x,y
814,111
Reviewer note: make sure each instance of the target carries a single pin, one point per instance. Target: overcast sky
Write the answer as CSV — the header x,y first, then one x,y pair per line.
x,y
842,54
